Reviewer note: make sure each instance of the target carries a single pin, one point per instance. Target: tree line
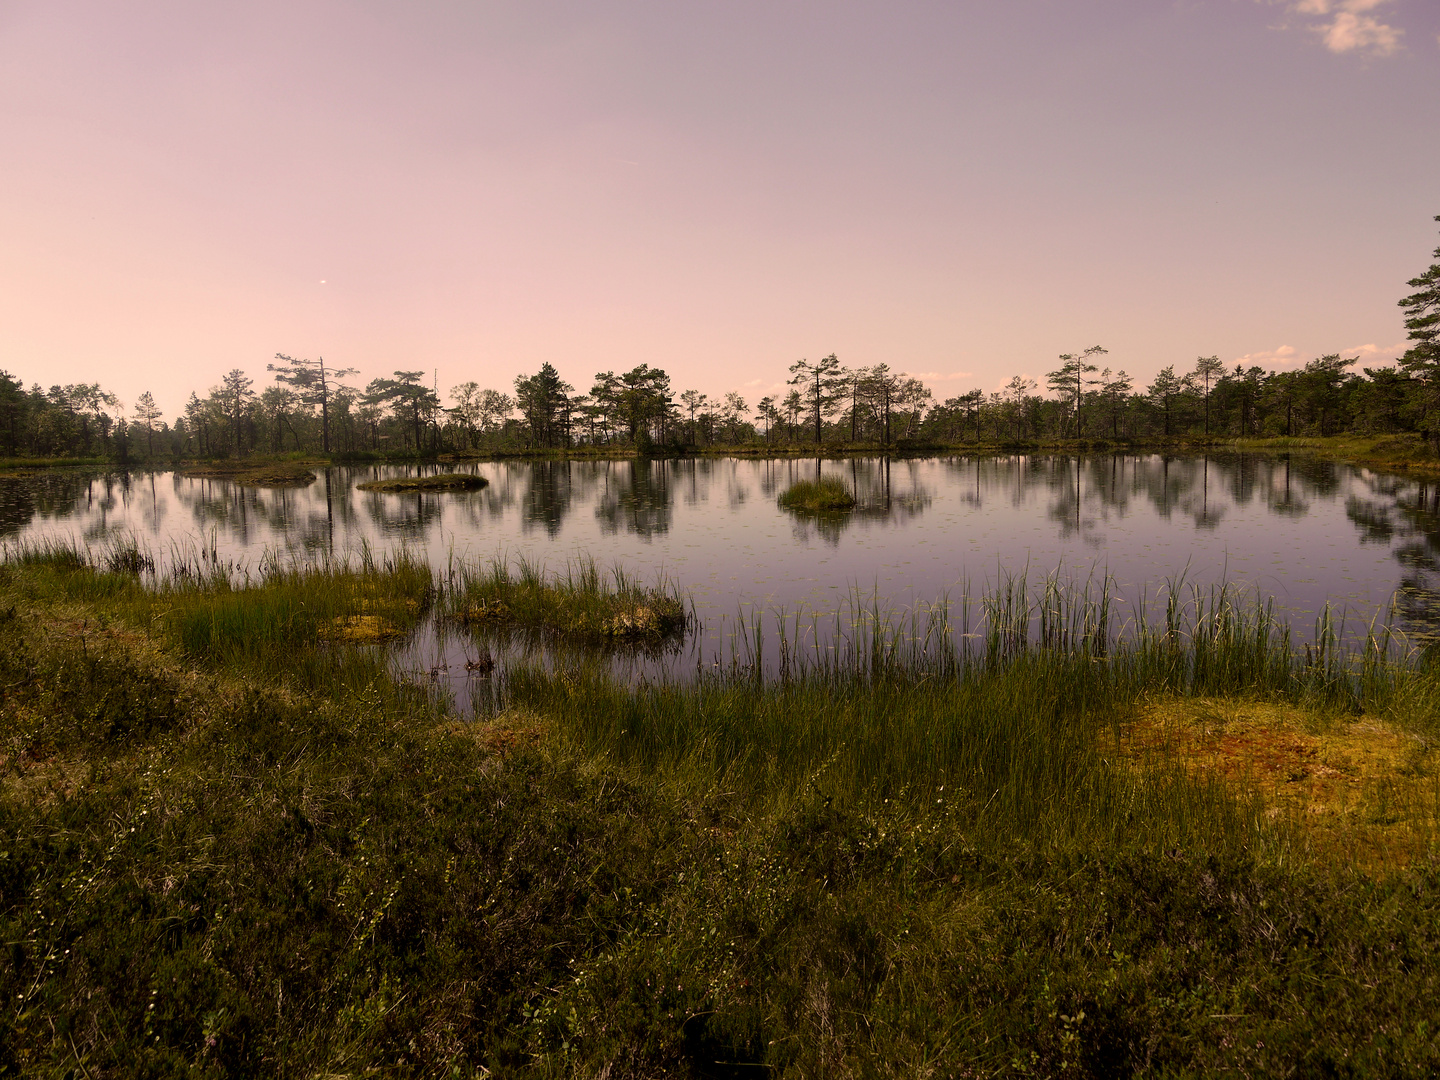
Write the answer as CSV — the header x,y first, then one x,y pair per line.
x,y
307,406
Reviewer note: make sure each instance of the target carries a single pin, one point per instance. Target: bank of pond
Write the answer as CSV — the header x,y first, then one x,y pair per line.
x,y
240,839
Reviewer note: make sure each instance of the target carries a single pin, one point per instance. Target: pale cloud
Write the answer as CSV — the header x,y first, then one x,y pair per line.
x,y
1347,25
1285,356
940,376
1371,355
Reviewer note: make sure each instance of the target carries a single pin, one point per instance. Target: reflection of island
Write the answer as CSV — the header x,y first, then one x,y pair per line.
x,y
248,514
880,497
1405,516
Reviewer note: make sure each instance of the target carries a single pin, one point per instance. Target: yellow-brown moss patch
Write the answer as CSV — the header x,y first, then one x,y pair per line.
x,y
1353,787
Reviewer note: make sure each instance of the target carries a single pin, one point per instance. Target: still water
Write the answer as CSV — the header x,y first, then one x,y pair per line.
x,y
1304,532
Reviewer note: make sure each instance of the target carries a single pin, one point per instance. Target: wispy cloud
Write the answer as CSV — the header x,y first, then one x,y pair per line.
x,y
940,376
1348,26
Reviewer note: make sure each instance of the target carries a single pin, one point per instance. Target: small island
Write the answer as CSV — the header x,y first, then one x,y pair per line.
x,y
828,493
440,482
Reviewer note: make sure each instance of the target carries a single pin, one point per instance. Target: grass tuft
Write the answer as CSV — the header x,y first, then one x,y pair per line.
x,y
827,493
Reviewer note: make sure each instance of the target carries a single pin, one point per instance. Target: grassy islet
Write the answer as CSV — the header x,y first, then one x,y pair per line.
x,y
829,493
436,482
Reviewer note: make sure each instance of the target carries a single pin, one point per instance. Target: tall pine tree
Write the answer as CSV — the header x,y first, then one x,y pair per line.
x,y
1422,360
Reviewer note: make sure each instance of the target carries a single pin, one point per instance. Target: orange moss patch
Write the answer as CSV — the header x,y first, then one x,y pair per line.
x,y
363,630
1358,788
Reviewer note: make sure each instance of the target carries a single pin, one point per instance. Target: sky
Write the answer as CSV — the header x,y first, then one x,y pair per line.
x,y
962,190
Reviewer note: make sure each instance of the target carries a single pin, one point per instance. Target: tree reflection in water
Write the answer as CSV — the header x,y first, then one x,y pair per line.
x,y
1404,515
634,497
1363,535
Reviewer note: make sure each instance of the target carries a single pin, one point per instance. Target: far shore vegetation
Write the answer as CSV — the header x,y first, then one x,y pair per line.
x,y
1013,835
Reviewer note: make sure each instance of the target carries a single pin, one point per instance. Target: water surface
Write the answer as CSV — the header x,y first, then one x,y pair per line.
x,y
1306,532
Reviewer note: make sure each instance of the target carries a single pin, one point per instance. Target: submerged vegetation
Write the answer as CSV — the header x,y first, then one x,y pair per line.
x,y
437,482
827,493
1017,836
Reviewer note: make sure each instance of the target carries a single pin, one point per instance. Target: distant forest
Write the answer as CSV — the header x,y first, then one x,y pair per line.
x,y
308,407
828,403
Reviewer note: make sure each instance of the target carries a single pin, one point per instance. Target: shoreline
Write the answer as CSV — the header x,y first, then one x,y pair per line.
x,y
1399,453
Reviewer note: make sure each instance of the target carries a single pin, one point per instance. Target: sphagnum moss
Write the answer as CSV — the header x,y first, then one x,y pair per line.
x,y
211,866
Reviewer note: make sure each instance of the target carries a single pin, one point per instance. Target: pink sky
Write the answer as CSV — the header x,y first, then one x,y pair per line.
x,y
958,189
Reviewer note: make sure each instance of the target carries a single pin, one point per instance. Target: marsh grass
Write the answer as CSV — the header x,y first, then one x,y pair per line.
x,y
940,847
580,603
829,493
283,620
1020,703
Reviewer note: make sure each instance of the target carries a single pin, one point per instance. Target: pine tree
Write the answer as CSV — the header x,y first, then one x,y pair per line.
x,y
824,384
1422,320
311,382
147,412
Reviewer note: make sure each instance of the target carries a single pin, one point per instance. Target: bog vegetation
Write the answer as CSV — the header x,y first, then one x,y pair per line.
x,y
1009,836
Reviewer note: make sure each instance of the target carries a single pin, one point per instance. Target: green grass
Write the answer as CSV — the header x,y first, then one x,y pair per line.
x,y
437,482
580,604
827,493
228,856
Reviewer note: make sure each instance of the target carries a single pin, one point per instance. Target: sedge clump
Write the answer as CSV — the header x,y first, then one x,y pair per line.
x,y
827,493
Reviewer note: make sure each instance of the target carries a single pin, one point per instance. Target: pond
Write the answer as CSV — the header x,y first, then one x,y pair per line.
x,y
1306,532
